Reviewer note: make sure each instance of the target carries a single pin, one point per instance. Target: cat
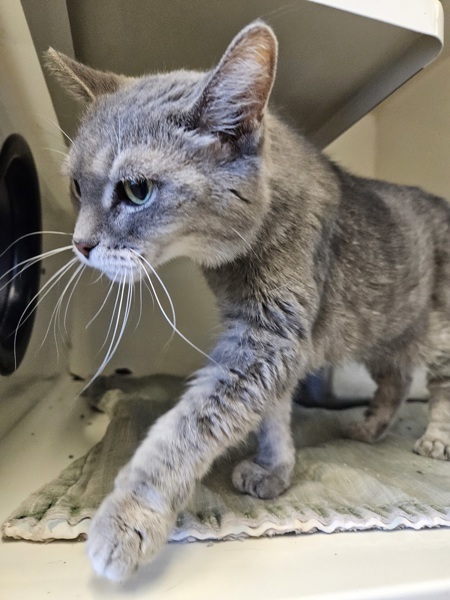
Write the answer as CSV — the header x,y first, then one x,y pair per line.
x,y
310,266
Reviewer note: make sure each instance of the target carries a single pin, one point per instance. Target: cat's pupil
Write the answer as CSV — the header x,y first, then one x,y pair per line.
x,y
136,191
139,189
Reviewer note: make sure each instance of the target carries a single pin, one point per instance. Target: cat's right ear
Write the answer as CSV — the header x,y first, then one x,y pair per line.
x,y
82,82
236,94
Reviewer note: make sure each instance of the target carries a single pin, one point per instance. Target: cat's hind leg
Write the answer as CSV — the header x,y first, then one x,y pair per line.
x,y
393,385
269,474
435,442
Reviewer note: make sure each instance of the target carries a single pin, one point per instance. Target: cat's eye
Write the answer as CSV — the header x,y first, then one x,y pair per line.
x,y
137,191
75,186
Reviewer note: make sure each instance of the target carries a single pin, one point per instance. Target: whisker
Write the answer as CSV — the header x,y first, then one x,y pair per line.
x,y
57,127
148,288
128,307
65,154
57,309
244,240
29,262
70,298
97,279
279,12
103,304
119,312
57,320
116,337
172,308
47,287
31,306
112,349
174,328
119,136
140,304
30,234
111,321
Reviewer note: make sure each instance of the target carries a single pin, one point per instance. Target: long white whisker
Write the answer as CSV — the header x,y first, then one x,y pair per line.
x,y
97,279
244,240
29,262
172,308
140,304
128,308
58,316
148,287
115,338
80,273
49,285
116,302
22,237
154,294
58,127
111,286
175,329
65,154
46,288
57,309
111,352
119,138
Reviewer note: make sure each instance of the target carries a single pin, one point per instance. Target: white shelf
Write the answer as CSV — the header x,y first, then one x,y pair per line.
x,y
423,16
423,20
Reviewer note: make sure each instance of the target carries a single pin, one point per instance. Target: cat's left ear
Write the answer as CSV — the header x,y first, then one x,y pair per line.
x,y
83,82
236,95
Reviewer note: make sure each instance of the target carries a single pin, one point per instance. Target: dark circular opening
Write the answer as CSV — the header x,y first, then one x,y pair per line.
x,y
20,215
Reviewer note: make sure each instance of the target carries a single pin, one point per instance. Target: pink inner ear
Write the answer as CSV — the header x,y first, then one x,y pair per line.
x,y
237,93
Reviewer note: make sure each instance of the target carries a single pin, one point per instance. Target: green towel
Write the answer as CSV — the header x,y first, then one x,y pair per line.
x,y
337,485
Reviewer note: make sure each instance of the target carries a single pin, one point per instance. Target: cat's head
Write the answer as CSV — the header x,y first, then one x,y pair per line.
x,y
170,164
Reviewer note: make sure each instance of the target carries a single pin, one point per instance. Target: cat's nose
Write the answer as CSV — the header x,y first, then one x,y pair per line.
x,y
84,247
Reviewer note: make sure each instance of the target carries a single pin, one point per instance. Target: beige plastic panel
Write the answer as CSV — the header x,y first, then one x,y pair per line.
x,y
26,108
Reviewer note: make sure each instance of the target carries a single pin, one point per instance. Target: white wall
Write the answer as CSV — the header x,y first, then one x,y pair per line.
x,y
356,149
413,132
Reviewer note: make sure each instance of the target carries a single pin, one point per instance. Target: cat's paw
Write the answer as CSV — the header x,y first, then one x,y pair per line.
x,y
124,533
251,478
433,447
368,431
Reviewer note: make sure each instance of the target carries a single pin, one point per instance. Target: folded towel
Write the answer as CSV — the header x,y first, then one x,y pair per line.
x,y
337,485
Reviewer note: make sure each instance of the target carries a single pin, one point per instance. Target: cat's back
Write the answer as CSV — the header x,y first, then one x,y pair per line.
x,y
390,253
392,208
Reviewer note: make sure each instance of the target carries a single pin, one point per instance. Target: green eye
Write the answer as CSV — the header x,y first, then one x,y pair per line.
x,y
137,191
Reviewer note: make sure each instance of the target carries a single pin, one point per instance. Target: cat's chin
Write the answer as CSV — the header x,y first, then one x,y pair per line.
x,y
128,276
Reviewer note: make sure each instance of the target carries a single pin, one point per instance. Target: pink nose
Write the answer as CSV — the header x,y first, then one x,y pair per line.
x,y
84,248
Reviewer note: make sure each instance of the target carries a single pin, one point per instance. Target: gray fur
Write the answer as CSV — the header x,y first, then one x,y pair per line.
x,y
310,266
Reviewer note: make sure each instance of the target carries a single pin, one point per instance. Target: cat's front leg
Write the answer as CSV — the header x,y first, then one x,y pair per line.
x,y
269,473
225,403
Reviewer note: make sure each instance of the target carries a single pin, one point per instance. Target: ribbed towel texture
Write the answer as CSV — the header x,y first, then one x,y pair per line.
x,y
338,484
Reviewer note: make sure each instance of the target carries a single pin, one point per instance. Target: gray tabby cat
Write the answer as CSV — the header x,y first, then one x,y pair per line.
x,y
310,266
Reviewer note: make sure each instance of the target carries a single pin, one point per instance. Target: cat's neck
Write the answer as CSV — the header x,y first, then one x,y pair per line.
x,y
304,194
